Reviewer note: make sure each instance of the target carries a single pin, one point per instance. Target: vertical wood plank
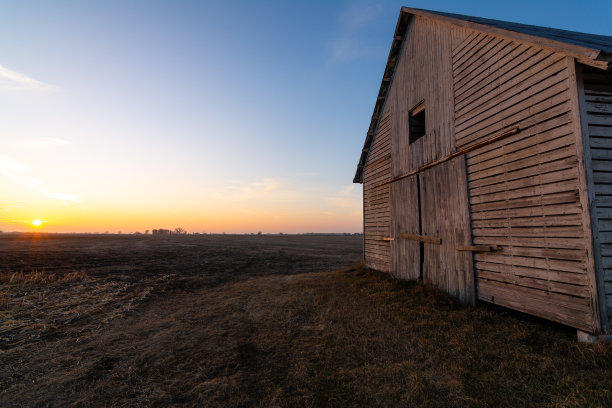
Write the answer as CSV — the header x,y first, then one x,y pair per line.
x,y
444,201
405,254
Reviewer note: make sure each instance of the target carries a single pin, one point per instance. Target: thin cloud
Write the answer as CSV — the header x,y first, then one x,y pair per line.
x,y
63,197
347,49
8,164
344,202
269,192
7,208
347,190
347,198
358,15
351,43
22,81
254,190
14,171
23,180
43,143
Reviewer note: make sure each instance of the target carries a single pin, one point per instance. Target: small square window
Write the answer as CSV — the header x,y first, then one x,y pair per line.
x,y
416,122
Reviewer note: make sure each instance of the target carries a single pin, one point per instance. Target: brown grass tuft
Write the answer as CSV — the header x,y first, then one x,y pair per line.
x,y
76,276
36,277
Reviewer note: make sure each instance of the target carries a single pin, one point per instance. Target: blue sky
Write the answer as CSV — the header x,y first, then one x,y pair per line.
x,y
214,116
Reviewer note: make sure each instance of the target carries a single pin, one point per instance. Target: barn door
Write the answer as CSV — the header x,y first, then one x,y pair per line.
x,y
443,193
430,219
405,219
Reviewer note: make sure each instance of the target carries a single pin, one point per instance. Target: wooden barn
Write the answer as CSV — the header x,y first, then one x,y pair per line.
x,y
487,166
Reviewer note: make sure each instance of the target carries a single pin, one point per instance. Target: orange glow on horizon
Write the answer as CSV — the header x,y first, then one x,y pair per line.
x,y
272,213
95,219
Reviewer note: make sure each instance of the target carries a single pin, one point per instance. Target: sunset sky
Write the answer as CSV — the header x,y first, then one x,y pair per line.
x,y
212,116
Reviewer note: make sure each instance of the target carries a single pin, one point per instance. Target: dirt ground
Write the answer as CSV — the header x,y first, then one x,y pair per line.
x,y
241,321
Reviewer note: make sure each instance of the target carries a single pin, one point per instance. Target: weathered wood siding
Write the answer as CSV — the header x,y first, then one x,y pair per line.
x,y
424,73
597,115
524,190
445,215
376,211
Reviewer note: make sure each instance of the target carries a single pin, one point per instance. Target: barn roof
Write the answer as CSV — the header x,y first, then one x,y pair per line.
x,y
590,49
601,43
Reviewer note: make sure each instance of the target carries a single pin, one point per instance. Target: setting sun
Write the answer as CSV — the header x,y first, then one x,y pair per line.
x,y
37,223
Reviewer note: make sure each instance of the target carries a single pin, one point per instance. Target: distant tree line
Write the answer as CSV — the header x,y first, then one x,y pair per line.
x,y
162,231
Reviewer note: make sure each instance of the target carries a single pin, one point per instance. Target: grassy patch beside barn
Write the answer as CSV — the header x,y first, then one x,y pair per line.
x,y
347,337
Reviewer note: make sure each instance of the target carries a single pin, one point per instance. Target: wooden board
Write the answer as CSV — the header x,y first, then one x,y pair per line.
x,y
422,238
405,254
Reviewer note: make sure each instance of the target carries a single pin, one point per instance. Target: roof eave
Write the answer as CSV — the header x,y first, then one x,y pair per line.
x,y
392,59
577,51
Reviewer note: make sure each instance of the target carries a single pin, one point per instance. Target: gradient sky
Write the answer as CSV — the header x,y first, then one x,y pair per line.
x,y
213,116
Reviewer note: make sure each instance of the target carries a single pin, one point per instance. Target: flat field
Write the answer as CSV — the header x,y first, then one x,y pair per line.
x,y
271,320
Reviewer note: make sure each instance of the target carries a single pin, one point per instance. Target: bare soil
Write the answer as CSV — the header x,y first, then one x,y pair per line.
x,y
242,321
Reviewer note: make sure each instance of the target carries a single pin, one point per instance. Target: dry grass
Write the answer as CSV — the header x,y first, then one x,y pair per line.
x,y
12,285
234,322
345,338
40,277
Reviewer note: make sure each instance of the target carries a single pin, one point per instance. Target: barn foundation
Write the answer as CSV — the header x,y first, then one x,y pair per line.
x,y
584,337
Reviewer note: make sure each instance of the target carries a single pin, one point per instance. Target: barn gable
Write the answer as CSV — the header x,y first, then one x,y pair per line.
x,y
485,190
589,49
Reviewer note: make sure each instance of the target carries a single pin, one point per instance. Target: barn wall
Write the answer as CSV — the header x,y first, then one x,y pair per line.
x,y
376,211
597,115
424,72
524,190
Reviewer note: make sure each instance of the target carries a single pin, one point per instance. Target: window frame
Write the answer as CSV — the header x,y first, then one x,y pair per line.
x,y
416,120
